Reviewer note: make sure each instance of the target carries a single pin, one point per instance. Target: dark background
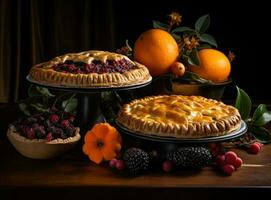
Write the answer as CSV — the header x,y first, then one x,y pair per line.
x,y
50,28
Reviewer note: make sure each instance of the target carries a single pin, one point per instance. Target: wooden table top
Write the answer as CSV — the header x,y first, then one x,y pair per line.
x,y
75,170
73,176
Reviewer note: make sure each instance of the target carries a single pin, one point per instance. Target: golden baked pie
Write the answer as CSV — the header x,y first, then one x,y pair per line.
x,y
90,69
179,116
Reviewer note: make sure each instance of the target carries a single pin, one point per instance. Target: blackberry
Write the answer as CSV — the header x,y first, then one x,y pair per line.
x,y
176,157
190,157
69,131
136,160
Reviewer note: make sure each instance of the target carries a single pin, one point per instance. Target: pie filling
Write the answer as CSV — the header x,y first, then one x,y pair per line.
x,y
97,66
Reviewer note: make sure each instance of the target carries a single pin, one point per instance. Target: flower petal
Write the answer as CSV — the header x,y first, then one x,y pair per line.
x,y
87,147
108,152
90,137
112,135
101,130
96,155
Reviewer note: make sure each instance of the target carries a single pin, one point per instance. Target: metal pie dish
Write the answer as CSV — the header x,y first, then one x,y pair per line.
x,y
89,89
152,138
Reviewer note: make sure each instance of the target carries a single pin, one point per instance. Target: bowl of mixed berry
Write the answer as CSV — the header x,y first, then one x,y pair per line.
x,y
44,135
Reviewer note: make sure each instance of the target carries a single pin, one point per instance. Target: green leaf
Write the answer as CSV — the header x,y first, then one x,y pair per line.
x,y
261,109
70,104
263,117
160,25
190,76
204,46
39,91
24,108
261,133
193,57
243,103
32,91
208,38
202,24
40,108
182,29
176,37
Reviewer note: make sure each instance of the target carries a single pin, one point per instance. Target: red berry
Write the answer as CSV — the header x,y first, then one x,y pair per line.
x,y
238,163
254,148
71,118
212,145
30,133
220,160
49,136
54,118
228,169
113,163
120,165
260,144
230,157
65,123
167,166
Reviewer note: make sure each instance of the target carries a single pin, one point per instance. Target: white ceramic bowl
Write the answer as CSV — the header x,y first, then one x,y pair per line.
x,y
41,148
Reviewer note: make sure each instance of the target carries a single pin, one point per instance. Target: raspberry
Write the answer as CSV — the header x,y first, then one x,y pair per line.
x,y
71,118
254,148
65,123
220,160
49,137
30,133
167,166
113,163
228,169
120,165
238,163
230,157
54,118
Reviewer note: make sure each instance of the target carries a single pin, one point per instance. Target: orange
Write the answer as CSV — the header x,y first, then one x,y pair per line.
x,y
177,69
214,65
157,50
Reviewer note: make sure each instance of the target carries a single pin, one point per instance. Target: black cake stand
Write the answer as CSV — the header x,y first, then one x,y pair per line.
x,y
234,134
89,100
166,144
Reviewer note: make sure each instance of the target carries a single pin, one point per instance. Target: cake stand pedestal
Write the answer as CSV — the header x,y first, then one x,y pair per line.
x,y
89,101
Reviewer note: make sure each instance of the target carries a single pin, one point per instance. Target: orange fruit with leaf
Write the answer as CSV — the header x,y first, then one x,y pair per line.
x,y
214,65
102,142
157,50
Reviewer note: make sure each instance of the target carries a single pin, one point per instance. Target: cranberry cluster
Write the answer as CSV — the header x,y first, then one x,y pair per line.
x,y
96,66
49,125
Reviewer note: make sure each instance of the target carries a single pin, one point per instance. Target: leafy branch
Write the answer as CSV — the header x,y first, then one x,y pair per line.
x,y
256,122
190,40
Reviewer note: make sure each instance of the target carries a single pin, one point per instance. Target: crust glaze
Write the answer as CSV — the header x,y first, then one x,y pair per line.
x,y
179,116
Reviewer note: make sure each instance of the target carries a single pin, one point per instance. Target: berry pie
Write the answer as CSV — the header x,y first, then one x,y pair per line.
x,y
179,116
90,69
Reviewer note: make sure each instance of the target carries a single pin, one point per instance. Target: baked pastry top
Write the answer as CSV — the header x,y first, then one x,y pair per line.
x,y
179,116
90,69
